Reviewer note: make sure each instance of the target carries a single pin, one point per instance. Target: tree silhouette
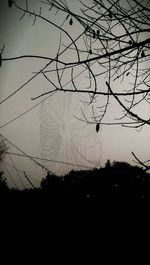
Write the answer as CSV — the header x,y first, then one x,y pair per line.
x,y
50,181
109,44
3,184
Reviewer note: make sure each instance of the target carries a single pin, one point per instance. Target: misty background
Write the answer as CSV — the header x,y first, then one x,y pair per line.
x,y
29,131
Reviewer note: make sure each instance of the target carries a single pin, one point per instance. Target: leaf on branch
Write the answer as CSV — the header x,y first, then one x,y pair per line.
x,y
87,27
90,51
127,73
110,15
10,3
130,42
94,34
97,127
71,22
0,60
142,54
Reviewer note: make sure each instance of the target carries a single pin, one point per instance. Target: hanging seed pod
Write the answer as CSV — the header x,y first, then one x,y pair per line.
x,y
127,73
86,28
10,3
90,52
142,54
110,15
94,34
71,22
98,32
0,60
97,127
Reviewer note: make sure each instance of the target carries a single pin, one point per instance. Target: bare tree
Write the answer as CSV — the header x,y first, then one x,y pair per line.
x,y
110,43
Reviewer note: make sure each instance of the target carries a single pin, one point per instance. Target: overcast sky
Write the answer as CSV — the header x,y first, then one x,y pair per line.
x,y
50,129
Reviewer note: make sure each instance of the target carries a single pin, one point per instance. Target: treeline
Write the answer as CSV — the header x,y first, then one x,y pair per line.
x,y
81,218
115,174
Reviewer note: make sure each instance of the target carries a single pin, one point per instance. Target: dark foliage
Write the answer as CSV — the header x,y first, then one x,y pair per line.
x,y
3,184
83,218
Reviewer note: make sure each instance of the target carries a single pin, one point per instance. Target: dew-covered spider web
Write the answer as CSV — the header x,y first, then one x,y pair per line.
x,y
65,142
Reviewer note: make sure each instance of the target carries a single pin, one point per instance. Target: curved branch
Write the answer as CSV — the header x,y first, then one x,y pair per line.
x,y
132,114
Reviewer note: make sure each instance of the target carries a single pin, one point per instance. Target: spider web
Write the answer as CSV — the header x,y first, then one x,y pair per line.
x,y
64,138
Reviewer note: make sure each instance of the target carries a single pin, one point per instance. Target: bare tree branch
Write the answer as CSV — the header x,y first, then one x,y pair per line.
x,y
109,50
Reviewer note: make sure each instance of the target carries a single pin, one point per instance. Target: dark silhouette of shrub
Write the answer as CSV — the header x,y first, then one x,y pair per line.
x,y
50,181
81,217
3,183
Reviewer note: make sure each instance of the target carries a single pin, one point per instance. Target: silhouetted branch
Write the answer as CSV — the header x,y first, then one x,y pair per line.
x,y
128,110
113,48
29,180
141,163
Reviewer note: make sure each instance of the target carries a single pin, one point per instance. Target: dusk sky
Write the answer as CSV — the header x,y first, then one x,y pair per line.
x,y
52,129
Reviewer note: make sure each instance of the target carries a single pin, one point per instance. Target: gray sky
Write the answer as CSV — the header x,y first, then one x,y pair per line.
x,y
54,117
